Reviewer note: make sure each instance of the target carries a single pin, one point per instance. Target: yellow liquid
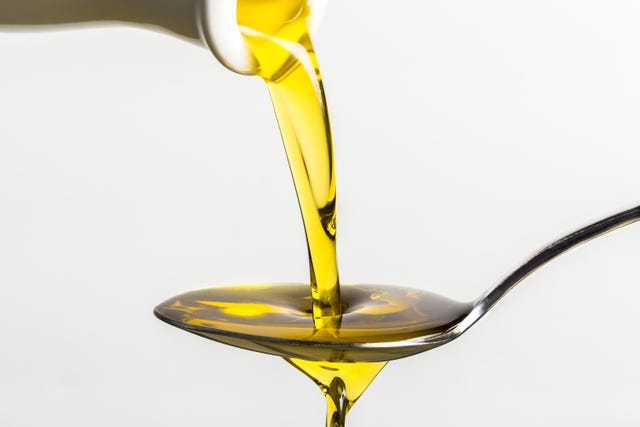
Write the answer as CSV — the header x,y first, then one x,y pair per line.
x,y
341,383
277,32
311,326
340,337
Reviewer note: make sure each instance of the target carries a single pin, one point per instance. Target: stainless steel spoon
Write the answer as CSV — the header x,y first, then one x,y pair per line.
x,y
425,321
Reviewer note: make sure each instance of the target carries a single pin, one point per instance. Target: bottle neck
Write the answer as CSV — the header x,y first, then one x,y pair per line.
x,y
175,16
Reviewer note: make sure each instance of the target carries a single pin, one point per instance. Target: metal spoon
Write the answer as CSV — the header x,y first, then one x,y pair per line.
x,y
415,321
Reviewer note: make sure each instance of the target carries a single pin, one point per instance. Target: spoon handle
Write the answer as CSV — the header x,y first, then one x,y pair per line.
x,y
483,304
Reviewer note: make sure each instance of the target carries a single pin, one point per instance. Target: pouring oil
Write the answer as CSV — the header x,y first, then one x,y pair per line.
x,y
340,337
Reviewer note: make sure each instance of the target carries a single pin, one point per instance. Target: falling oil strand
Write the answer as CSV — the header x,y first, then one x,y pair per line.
x,y
277,33
341,383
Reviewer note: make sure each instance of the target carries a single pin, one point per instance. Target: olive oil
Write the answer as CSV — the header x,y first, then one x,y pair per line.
x,y
341,383
341,337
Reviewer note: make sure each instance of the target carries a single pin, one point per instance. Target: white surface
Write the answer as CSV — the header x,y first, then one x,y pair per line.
x,y
468,134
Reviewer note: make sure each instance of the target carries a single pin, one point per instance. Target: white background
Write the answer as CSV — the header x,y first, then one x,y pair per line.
x,y
468,134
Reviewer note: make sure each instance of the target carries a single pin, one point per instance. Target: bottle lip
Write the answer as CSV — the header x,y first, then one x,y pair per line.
x,y
217,24
219,30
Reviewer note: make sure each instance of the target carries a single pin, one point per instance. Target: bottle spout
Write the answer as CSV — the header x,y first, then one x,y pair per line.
x,y
218,26
219,30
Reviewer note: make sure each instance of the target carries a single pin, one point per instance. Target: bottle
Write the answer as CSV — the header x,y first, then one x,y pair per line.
x,y
209,23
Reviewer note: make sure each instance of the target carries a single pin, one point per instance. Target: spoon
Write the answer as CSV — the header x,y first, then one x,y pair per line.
x,y
379,323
